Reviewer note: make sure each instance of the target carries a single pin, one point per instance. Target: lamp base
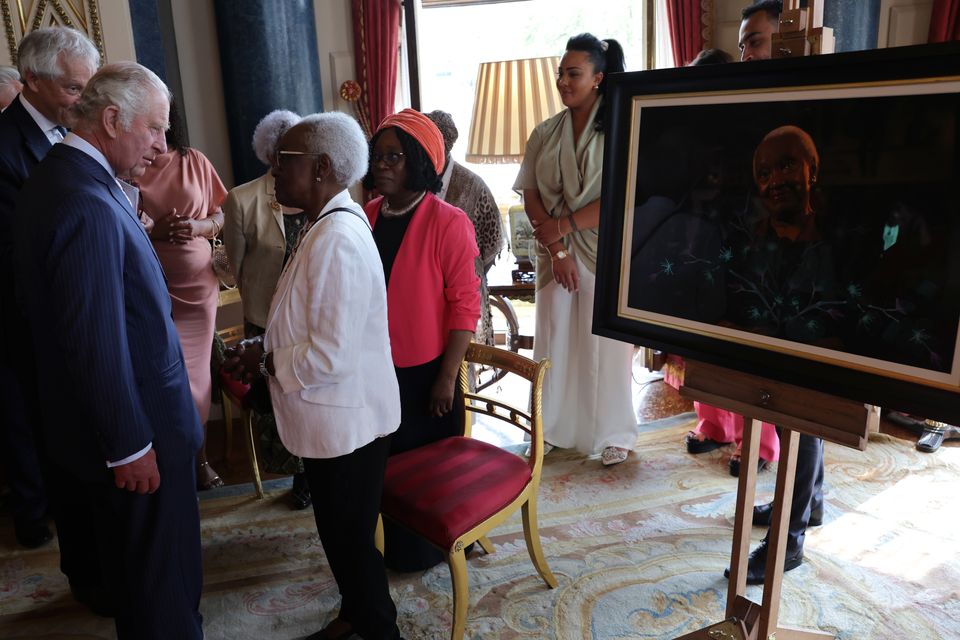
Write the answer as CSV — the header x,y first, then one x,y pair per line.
x,y
524,272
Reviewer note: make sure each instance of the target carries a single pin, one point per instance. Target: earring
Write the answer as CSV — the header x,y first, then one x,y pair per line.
x,y
595,87
319,179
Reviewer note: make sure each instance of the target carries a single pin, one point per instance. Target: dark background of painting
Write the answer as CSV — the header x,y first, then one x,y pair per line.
x,y
889,160
857,189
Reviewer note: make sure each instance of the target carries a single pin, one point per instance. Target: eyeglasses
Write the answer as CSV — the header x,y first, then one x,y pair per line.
x,y
391,158
281,155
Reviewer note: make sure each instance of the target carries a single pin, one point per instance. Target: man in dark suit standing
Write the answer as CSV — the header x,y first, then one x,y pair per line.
x,y
118,418
55,64
760,22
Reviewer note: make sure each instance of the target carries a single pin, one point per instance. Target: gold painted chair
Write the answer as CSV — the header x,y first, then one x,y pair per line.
x,y
455,491
229,400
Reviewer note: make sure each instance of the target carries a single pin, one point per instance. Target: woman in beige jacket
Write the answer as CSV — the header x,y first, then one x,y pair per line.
x,y
259,234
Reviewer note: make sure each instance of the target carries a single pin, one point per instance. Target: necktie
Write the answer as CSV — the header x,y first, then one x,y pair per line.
x,y
60,131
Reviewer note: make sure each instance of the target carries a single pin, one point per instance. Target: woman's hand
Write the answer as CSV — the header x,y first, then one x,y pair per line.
x,y
170,228
441,395
242,362
548,231
565,273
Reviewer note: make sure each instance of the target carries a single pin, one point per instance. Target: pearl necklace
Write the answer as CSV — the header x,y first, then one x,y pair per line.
x,y
387,212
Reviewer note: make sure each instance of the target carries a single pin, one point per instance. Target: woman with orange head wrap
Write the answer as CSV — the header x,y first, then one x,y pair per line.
x,y
428,251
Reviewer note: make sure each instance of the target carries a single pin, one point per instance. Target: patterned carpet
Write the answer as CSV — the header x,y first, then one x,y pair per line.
x,y
639,550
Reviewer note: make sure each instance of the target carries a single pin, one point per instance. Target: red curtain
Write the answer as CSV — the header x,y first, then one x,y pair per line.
x,y
376,38
686,29
945,21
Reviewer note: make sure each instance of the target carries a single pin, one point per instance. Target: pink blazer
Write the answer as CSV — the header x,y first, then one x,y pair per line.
x,y
433,288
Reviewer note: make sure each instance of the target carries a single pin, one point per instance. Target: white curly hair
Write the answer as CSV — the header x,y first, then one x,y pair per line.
x,y
339,137
268,133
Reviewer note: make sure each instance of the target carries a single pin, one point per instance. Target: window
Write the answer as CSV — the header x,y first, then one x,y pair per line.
x,y
455,36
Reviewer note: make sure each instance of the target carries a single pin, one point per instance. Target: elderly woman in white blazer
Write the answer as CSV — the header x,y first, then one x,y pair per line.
x,y
326,356
258,231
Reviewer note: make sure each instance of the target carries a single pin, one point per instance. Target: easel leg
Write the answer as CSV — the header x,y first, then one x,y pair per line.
x,y
746,491
777,536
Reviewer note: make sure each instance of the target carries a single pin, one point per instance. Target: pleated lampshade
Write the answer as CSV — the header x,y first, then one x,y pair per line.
x,y
513,97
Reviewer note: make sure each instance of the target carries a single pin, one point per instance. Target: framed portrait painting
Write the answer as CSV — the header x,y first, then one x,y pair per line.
x,y
794,219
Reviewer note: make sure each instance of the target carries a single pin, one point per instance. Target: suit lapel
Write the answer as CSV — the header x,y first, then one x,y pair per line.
x,y
100,174
34,140
270,188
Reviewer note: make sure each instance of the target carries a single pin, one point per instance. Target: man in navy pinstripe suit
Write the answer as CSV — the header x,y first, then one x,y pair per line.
x,y
118,418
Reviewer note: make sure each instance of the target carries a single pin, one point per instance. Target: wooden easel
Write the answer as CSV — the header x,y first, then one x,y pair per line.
x,y
796,410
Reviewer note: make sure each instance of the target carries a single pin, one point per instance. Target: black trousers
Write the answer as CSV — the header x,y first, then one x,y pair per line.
x,y
807,489
19,436
346,503
148,551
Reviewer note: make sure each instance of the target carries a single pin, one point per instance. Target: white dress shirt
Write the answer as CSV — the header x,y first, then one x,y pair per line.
x,y
50,128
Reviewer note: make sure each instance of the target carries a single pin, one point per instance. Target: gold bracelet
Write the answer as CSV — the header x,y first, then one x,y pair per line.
x,y
559,233
216,228
573,223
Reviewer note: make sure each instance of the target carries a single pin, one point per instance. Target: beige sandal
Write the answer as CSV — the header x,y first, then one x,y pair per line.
x,y
613,455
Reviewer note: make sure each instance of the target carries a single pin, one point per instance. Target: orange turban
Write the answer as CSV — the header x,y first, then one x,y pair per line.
x,y
423,131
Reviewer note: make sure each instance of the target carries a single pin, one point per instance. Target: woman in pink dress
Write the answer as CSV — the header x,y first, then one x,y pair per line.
x,y
718,427
181,193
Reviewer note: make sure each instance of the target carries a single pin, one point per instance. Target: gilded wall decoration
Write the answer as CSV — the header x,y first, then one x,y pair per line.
x,y
20,17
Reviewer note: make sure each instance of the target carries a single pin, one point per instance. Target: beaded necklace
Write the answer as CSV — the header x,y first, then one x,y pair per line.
x,y
387,212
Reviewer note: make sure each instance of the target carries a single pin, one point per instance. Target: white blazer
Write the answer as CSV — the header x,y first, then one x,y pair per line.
x,y
335,388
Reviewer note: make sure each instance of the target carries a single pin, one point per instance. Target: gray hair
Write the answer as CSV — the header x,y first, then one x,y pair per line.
x,y
269,131
8,75
126,85
339,137
40,51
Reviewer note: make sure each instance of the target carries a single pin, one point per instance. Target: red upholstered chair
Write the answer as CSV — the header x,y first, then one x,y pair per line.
x,y
455,491
232,395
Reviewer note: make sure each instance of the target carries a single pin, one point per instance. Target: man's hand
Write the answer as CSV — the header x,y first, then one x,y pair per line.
x,y
141,475
147,222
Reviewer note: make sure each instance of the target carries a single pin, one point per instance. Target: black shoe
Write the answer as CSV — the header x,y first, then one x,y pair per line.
x,y
96,599
763,515
757,564
695,445
734,465
32,533
300,493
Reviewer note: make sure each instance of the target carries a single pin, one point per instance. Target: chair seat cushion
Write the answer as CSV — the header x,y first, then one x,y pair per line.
x,y
444,489
236,390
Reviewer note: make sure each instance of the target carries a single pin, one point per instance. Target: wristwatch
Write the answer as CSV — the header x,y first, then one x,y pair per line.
x,y
263,365
560,255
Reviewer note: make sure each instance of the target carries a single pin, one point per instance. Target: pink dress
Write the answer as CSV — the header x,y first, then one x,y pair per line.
x,y
189,184
719,424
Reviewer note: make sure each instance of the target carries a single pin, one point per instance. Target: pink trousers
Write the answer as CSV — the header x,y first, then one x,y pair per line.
x,y
725,426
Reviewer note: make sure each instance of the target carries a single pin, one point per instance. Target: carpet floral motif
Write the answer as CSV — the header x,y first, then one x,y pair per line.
x,y
638,549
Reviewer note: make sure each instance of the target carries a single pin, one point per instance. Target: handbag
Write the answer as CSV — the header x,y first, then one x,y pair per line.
x,y
221,264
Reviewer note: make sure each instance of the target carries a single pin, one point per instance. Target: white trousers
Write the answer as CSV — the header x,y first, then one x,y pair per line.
x,y
587,395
